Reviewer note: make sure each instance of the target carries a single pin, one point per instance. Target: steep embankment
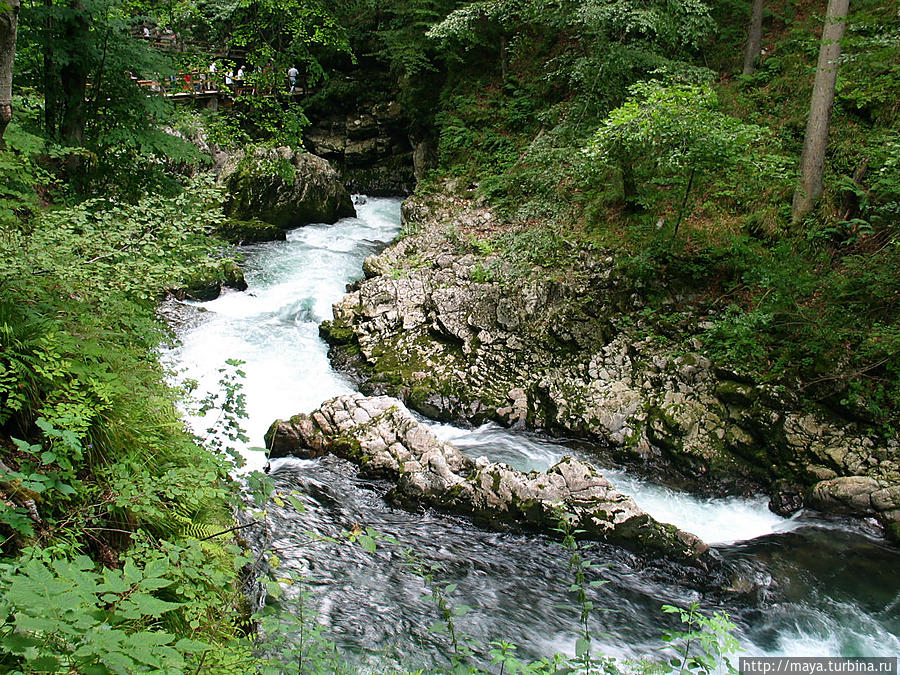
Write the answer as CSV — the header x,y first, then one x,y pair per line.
x,y
445,324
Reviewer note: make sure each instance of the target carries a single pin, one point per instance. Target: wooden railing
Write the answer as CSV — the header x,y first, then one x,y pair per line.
x,y
198,84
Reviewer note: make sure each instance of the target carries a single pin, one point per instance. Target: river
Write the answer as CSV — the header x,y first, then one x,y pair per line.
x,y
815,586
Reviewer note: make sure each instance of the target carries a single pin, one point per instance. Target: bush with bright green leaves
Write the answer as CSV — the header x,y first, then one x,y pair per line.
x,y
112,514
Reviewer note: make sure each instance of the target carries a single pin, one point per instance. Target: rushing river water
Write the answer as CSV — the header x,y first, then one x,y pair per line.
x,y
812,586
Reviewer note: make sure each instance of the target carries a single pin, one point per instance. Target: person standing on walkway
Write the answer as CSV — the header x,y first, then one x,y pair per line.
x,y
211,76
292,77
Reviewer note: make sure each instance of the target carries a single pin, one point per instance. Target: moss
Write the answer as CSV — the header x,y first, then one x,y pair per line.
x,y
736,393
206,283
249,231
495,481
349,447
338,333
645,535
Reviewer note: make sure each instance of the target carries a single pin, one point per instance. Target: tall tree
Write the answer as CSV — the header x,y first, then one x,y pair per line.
x,y
9,20
754,37
73,74
812,160
676,132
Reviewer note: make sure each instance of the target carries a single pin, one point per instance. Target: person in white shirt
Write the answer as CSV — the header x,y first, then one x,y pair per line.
x,y
292,76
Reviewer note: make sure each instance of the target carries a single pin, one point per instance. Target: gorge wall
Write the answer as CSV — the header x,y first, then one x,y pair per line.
x,y
461,336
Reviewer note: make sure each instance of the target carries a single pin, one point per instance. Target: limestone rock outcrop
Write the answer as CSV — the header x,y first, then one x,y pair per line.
x,y
284,187
459,335
381,436
368,144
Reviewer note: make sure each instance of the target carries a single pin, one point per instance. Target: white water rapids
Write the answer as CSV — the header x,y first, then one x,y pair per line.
x,y
827,589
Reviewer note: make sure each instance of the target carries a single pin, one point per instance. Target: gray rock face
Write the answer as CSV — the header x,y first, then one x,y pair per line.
x,y
381,436
369,146
439,324
284,187
860,496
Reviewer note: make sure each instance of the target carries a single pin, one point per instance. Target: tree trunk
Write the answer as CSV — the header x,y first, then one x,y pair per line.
x,y
812,160
73,78
687,192
504,57
50,76
9,22
754,37
629,188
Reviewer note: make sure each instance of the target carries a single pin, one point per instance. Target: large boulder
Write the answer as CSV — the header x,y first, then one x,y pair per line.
x,y
381,436
861,496
284,187
206,282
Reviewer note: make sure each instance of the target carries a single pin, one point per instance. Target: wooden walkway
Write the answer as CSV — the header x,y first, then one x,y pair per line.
x,y
194,86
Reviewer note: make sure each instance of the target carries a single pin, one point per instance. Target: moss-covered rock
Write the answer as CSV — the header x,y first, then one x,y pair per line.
x,y
284,187
383,439
577,354
249,231
206,283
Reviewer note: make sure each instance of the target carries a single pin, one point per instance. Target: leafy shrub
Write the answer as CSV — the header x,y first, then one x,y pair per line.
x,y
64,615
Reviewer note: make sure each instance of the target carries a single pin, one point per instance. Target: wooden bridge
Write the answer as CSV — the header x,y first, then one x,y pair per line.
x,y
213,88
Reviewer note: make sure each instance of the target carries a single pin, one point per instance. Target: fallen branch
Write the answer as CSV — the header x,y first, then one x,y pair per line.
x,y
232,529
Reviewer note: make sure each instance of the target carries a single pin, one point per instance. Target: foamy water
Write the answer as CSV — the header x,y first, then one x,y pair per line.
x,y
834,591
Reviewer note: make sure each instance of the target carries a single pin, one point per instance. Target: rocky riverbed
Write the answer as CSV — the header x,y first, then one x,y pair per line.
x,y
381,436
439,323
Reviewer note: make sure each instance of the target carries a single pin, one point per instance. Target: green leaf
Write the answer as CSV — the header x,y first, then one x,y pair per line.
x,y
44,663
142,604
582,647
297,504
154,583
367,542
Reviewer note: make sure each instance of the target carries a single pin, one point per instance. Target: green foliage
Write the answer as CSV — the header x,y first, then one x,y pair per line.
x,y
480,131
252,165
65,615
705,645
675,130
230,403
281,34
102,247
678,126
870,71
18,198
270,120
92,102
96,459
830,329
580,587
671,28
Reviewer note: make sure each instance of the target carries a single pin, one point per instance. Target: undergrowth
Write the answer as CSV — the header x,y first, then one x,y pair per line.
x,y
683,170
115,522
